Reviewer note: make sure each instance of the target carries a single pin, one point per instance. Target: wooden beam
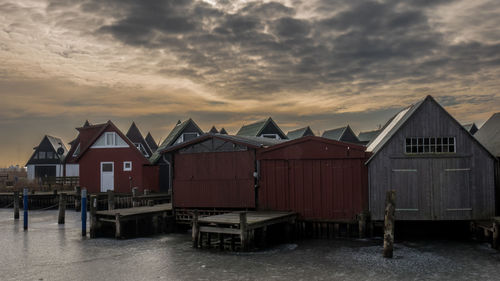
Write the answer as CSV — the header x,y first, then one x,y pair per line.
x,y
225,230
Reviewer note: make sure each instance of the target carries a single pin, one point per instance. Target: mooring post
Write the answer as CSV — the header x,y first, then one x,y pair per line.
x,y
390,208
118,226
93,218
84,212
62,208
146,191
25,207
196,229
135,191
16,205
78,190
111,200
243,231
496,226
362,225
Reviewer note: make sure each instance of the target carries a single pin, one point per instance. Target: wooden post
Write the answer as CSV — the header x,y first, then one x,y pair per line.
x,y
78,191
118,226
16,205
336,230
84,212
25,207
111,200
496,229
62,208
135,193
146,192
196,229
390,208
362,225
243,231
93,218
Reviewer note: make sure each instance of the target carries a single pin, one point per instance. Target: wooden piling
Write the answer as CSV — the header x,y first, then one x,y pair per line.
x,y
16,205
135,201
146,191
93,220
84,212
25,207
118,226
111,200
362,225
62,208
390,208
243,231
496,229
196,229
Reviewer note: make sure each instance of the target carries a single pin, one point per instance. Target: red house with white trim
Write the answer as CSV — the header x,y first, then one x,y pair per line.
x,y
108,160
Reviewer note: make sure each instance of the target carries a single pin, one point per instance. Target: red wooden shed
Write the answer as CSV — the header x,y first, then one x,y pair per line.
x,y
215,171
320,179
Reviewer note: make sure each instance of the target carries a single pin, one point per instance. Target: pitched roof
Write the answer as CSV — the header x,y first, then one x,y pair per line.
x,y
489,134
298,133
55,143
134,134
398,120
213,130
339,133
223,131
255,129
254,142
471,128
91,134
172,137
151,142
368,135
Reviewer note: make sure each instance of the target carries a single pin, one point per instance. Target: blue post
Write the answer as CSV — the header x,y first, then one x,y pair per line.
x,y
84,212
25,207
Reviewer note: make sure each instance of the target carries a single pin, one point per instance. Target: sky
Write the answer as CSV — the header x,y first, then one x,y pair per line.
x,y
322,63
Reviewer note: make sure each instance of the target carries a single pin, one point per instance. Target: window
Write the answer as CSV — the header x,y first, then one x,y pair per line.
x,y
41,154
50,155
107,167
187,137
127,166
77,151
110,139
35,156
430,145
270,136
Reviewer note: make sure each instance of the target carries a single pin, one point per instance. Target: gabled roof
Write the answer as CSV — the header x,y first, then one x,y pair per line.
x,y
55,143
134,135
489,134
90,134
368,135
471,128
338,134
213,130
223,131
151,142
256,129
398,120
172,137
298,133
253,142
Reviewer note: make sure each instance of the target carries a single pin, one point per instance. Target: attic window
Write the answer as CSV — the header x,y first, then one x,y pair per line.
x,y
50,155
110,138
41,154
270,136
187,137
77,151
430,145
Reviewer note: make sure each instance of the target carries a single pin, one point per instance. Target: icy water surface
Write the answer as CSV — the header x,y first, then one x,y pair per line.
x,y
48,251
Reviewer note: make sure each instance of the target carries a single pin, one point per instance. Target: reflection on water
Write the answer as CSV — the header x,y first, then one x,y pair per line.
x,y
50,251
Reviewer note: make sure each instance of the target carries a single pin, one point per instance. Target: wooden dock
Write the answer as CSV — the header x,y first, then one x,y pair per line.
x,y
151,219
242,227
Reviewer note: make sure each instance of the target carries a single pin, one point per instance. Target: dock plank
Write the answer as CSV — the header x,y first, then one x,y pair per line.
x,y
137,211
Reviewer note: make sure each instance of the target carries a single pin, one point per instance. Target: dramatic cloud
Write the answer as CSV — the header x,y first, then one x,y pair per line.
x,y
321,63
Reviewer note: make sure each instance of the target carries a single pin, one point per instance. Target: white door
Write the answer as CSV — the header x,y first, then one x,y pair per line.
x,y
107,176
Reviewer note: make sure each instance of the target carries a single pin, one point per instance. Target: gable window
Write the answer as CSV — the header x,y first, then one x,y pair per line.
x,y
127,166
41,154
50,155
187,137
110,138
270,136
430,145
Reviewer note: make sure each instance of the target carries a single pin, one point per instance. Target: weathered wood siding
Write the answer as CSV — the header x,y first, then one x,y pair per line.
x,y
455,186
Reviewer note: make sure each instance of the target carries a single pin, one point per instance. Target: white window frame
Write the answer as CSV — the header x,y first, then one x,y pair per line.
x,y
181,138
125,169
274,136
77,150
429,145
106,134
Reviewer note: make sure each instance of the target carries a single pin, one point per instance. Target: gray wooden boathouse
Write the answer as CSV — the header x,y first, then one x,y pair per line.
x,y
437,168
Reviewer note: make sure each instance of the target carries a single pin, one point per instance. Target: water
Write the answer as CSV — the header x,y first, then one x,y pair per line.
x,y
48,251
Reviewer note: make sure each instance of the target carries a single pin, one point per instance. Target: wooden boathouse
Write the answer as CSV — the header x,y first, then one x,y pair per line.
x,y
318,178
437,168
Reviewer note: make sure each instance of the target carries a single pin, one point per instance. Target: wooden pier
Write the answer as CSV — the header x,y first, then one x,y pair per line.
x,y
239,229
131,221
